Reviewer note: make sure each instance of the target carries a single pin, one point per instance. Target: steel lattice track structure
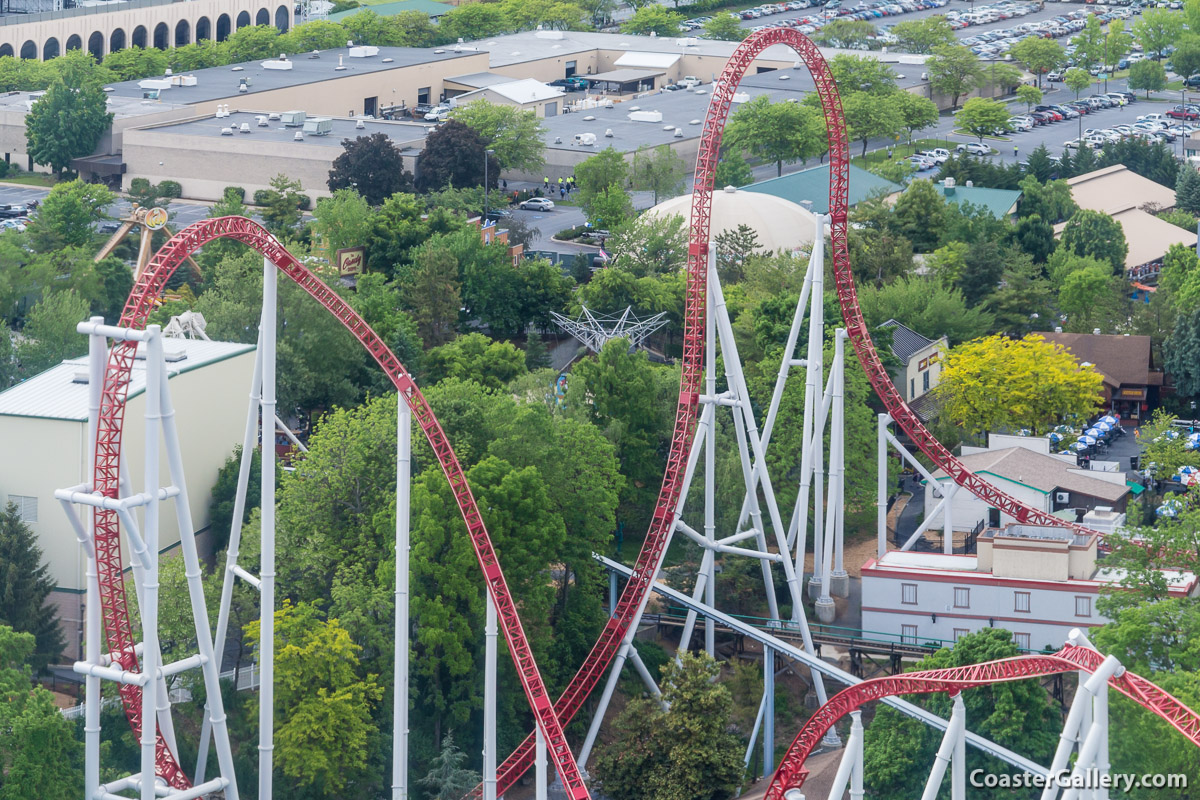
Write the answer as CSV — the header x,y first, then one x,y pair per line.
x,y
791,772
550,717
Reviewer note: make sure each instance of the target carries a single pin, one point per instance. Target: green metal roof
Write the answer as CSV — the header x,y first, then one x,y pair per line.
x,y
813,184
1136,488
430,7
998,202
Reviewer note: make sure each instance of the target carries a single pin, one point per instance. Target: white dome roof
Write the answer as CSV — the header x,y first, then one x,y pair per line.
x,y
780,224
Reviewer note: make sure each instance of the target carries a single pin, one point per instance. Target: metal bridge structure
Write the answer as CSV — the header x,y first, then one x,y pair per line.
x,y
113,506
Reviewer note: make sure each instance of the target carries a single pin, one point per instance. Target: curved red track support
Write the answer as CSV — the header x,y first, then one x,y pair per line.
x,y
108,451
791,772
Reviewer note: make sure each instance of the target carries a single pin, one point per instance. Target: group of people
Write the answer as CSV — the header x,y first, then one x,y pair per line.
x,y
565,186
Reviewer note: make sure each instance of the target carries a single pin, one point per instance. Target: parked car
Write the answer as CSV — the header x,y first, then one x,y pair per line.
x,y
1183,112
689,81
497,214
974,149
437,113
537,204
1020,124
939,155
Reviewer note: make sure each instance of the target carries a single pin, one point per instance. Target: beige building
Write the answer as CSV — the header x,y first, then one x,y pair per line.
x,y
920,363
247,149
43,425
102,29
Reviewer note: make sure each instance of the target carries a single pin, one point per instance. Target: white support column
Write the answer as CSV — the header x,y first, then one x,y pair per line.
x,y
149,600
266,650
539,764
97,359
850,768
1079,721
958,763
951,741
1100,725
491,649
882,476
710,457
768,710
816,356
826,610
812,392
948,519
400,666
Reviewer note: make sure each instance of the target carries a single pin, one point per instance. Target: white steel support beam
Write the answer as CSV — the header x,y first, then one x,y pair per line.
x,y
947,750
1079,724
710,467
148,605
491,649
97,358
400,690
850,768
266,654
539,765
881,473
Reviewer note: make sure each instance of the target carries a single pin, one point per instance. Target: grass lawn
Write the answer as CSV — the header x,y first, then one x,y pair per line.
x,y
31,179
900,151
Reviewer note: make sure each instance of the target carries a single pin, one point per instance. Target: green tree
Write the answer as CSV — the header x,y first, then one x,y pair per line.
x,y
454,156
66,215
1040,165
862,74
650,245
775,131
916,112
281,212
550,14
1035,237
318,688
724,27
1039,55
432,293
1179,351
1116,44
514,133
317,34
1187,191
922,35
447,778
1030,95
68,121
372,166
39,755
473,21
1024,299
49,335
983,117
849,33
870,116
1042,381
608,209
732,170
344,219
1171,543
596,173
927,306
654,19
920,215
1018,715
1157,28
1052,200
953,70
658,170
1186,58
1096,234
686,753
475,357
25,584
1077,80
735,247
224,492
249,44
1091,297
136,62
1089,44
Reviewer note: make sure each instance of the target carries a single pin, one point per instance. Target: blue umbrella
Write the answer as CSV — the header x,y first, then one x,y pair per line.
x,y
1171,433
1087,439
1166,510
1104,426
1094,432
1064,429
1024,432
1055,438
1110,419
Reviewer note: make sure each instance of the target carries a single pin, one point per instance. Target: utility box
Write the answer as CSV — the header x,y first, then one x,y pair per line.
x,y
321,126
293,119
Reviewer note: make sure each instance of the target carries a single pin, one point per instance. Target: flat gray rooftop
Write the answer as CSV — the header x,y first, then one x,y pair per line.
x,y
121,107
217,83
401,133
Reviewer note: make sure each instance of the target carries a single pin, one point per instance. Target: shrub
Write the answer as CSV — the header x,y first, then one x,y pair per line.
x,y
305,202
238,192
262,197
170,189
139,186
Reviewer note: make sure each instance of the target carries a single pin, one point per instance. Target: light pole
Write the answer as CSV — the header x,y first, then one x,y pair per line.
x,y
487,154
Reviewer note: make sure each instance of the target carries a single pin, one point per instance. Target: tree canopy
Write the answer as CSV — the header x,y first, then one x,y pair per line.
x,y
372,166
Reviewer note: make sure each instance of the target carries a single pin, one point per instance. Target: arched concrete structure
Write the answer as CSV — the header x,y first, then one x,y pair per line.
x,y
102,33
283,18
224,26
6,50
50,49
74,42
29,49
203,29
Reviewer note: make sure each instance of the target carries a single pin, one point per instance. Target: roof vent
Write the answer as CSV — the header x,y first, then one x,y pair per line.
x,y
970,184
242,89
299,137
668,127
806,205
1095,331
363,51
227,131
439,51
245,127
79,377
360,125
588,118
262,121
315,54
388,60
558,140
340,65
273,115
694,122
948,183
679,133
608,134
1058,329
730,189
238,69
785,77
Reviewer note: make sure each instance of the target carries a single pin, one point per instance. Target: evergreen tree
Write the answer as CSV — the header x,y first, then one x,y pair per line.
x,y
448,779
25,584
537,356
1179,352
1040,164
1187,191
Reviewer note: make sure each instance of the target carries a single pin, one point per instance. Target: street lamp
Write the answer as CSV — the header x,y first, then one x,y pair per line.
x,y
487,154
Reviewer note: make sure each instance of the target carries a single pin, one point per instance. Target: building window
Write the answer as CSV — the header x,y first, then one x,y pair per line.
x,y
960,632
1021,602
925,380
1022,640
423,96
26,507
908,634
1083,606
912,388
908,594
962,597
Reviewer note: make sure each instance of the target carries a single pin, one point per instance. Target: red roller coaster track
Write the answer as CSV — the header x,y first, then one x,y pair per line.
x,y
550,717
791,772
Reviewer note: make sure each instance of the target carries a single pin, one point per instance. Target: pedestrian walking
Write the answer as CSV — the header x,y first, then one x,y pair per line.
x,y
1015,151
562,192
546,183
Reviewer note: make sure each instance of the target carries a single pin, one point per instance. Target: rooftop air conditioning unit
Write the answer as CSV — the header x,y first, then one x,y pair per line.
x,y
293,119
318,127
245,127
646,116
1062,497
585,139
363,51
278,63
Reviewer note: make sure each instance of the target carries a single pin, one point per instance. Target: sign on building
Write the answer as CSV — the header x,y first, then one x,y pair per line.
x,y
350,260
